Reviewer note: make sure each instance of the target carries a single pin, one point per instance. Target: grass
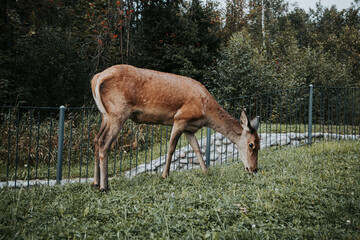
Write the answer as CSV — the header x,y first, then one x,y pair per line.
x,y
301,193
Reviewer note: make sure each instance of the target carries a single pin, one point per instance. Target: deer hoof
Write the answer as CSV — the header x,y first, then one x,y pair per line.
x,y
95,185
104,190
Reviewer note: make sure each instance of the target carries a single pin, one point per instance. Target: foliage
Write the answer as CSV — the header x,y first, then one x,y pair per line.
x,y
50,49
242,68
296,49
58,45
306,192
296,66
178,37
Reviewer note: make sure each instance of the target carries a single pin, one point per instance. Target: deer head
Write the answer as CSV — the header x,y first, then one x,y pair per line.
x,y
248,142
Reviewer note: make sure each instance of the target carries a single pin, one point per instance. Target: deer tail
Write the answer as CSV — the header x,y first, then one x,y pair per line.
x,y
95,87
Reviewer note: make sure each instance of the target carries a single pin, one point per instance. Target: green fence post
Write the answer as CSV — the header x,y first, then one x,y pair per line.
x,y
60,145
208,144
310,113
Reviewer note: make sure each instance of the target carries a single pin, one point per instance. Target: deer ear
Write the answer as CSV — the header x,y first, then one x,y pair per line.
x,y
255,123
244,121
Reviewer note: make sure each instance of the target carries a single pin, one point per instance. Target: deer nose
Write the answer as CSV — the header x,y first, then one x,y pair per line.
x,y
251,170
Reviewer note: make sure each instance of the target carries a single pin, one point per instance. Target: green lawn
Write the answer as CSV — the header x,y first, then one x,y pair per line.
x,y
298,193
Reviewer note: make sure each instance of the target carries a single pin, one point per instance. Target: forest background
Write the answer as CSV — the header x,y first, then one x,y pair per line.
x,y
50,49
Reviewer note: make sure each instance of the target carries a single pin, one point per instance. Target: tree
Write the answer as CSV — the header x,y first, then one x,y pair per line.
x,y
236,17
40,54
177,37
337,33
242,68
50,49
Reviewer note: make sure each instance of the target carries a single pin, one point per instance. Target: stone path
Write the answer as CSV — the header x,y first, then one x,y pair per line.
x,y
221,150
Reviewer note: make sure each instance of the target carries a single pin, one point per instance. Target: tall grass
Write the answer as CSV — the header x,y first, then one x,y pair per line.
x,y
300,193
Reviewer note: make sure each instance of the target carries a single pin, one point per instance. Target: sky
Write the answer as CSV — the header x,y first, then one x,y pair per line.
x,y
306,4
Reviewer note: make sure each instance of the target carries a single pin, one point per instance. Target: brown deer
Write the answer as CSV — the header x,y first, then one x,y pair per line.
x,y
146,96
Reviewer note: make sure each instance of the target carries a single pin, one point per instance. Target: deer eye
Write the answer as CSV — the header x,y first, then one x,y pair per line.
x,y
251,145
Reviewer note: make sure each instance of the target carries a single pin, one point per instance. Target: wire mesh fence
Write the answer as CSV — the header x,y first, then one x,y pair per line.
x,y
32,152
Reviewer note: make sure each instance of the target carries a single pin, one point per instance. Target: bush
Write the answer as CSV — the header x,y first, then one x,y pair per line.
x,y
242,68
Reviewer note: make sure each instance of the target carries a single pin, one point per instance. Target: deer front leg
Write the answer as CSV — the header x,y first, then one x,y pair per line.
x,y
195,146
176,132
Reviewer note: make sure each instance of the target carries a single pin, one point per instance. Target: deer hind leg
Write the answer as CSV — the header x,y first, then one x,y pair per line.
x,y
96,182
177,130
195,146
111,130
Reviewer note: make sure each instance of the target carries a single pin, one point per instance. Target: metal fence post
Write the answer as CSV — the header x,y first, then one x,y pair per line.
x,y
208,144
60,145
311,93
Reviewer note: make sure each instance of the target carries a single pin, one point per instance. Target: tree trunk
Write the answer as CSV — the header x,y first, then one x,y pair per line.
x,y
263,21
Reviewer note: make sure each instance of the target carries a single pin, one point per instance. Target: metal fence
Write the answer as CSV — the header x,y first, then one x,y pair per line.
x,y
43,145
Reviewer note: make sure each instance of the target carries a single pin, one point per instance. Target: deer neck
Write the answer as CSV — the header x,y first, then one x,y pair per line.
x,y
221,121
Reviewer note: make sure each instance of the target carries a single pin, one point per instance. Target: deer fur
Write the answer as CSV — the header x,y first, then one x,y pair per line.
x,y
146,96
